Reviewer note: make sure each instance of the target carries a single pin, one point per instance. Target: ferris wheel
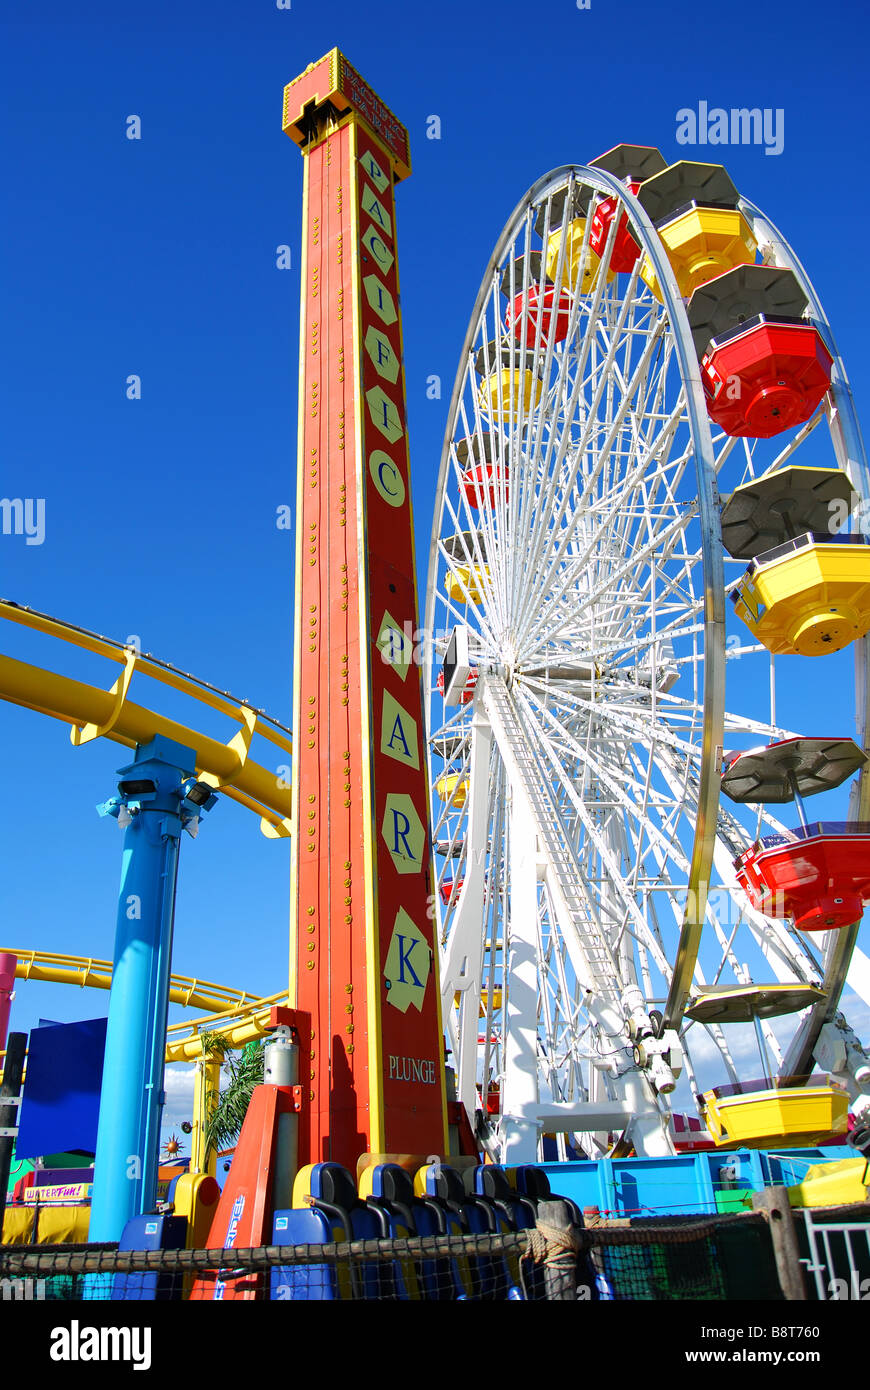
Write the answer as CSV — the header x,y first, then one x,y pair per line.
x,y
598,941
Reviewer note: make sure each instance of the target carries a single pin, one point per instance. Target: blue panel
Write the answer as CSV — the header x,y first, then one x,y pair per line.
x,y
53,1177
682,1185
62,1088
647,1186
316,1283
151,1233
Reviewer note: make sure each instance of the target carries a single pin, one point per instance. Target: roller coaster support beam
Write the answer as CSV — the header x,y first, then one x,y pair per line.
x,y
8,965
158,798
206,1088
10,1100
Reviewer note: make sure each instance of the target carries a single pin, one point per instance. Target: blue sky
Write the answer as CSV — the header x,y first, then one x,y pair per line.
x,y
158,257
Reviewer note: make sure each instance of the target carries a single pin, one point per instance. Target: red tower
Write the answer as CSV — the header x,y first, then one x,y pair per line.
x,y
363,956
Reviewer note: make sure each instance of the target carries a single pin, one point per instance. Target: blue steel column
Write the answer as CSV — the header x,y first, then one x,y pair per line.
x,y
153,806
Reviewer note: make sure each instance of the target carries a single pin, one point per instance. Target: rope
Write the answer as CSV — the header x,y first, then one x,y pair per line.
x,y
549,1244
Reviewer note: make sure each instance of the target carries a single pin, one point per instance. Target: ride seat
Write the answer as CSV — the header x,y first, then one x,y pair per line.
x,y
490,1182
443,1191
309,1283
329,1188
533,1183
389,1190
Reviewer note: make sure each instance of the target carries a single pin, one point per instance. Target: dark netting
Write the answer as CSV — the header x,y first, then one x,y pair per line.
x,y
728,1258
724,1258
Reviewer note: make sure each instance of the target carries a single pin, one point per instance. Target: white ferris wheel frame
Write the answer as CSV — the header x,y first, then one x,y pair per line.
x,y
497,728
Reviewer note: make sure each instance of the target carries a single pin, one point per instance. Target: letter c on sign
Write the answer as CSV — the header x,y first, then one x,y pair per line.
x,y
387,478
382,261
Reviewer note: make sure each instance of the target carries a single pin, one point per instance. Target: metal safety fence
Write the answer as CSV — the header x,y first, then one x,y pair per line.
x,y
834,1244
724,1258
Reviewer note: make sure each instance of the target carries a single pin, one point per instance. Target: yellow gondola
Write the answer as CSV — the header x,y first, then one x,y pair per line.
x,y
465,583
770,1115
808,597
452,788
574,237
500,388
702,243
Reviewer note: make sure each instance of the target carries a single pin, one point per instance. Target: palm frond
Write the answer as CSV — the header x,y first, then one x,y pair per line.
x,y
243,1074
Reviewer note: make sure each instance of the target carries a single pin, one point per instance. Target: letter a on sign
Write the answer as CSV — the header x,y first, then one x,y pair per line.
x,y
398,733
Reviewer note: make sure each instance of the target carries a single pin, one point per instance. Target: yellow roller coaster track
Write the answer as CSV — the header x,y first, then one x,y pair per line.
x,y
238,1016
95,713
186,1041
87,972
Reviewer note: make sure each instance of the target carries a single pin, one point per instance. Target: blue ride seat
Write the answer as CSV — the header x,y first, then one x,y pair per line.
x,y
317,1283
490,1182
151,1232
389,1190
443,1190
533,1183
328,1190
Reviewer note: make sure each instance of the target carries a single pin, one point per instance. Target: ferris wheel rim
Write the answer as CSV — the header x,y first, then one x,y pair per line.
x,y
708,503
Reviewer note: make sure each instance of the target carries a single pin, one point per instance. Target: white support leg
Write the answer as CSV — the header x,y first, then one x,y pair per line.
x,y
462,966
519,1133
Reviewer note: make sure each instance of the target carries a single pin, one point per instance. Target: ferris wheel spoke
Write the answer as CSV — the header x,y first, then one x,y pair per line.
x,y
570,524
554,465
669,532
603,850
614,779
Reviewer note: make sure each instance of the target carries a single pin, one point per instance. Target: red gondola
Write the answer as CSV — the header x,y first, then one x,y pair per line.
x,y
765,377
526,326
483,480
625,249
467,694
451,887
819,874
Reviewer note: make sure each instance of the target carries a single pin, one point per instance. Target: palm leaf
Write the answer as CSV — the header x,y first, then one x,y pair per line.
x,y
243,1074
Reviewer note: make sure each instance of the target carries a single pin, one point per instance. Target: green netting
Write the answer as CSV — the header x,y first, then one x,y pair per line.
x,y
729,1258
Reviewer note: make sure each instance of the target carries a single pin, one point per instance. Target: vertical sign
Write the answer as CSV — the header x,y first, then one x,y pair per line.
x,y
363,959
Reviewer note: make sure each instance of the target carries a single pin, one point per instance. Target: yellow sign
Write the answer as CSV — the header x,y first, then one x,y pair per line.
x,y
404,833
375,173
385,361
385,415
380,299
386,477
60,1192
398,733
376,210
372,239
406,969
395,643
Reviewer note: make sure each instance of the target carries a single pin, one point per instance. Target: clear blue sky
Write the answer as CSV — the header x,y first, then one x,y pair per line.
x,y
158,257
